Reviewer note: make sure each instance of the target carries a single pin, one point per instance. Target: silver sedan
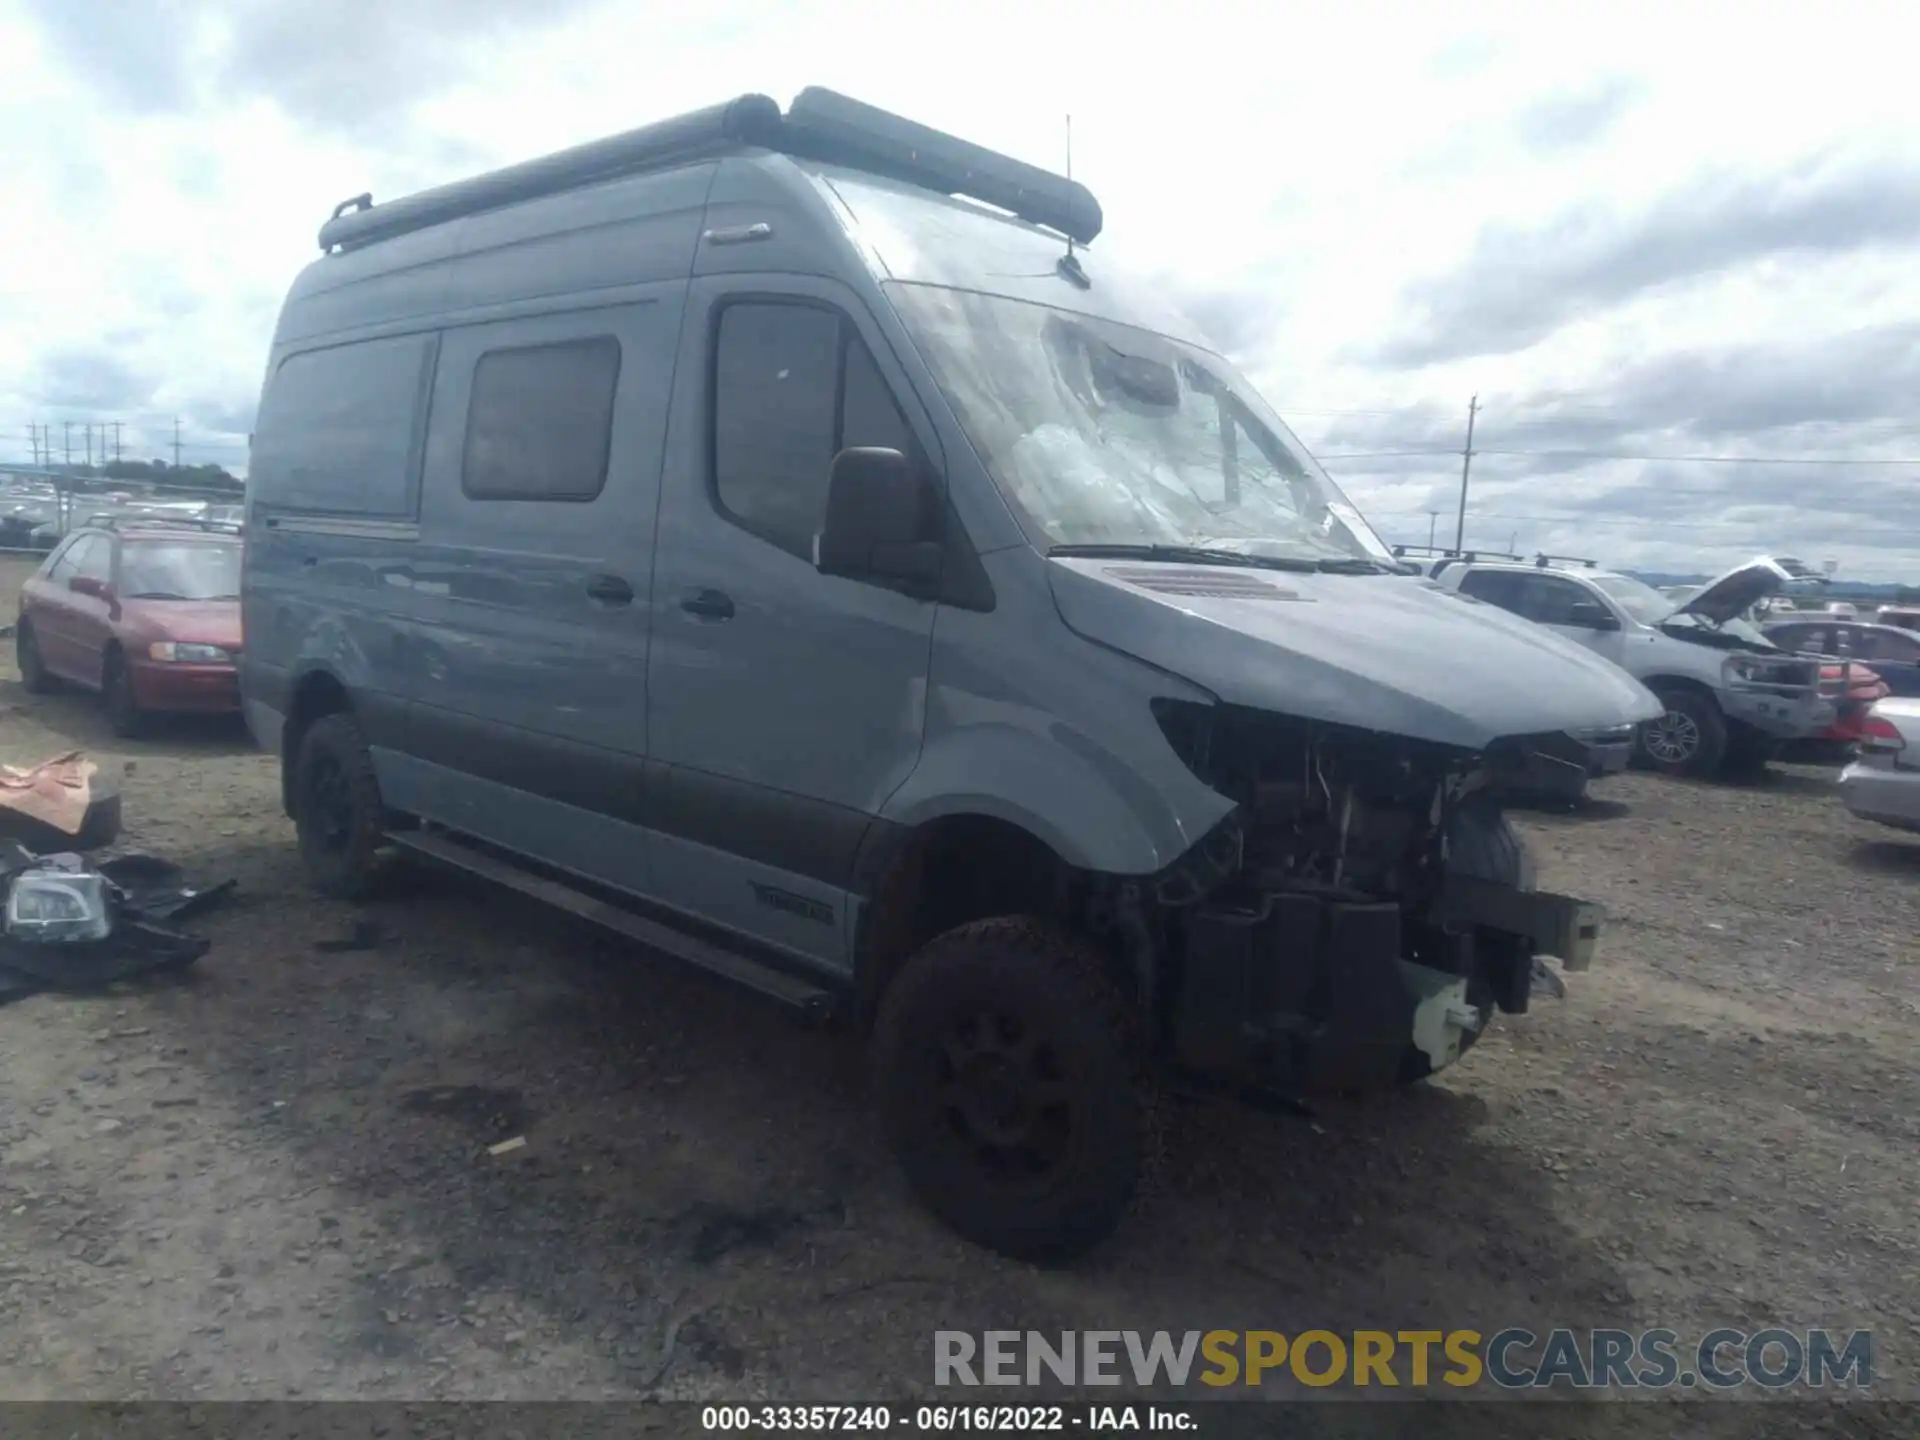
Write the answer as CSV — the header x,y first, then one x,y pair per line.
x,y
1883,785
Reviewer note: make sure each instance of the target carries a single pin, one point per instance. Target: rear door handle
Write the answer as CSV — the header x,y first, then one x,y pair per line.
x,y
708,604
610,590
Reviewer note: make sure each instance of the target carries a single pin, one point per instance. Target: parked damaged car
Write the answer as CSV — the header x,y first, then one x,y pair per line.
x,y
1730,696
1015,688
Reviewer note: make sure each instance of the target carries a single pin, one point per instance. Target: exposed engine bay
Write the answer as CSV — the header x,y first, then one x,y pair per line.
x,y
1363,910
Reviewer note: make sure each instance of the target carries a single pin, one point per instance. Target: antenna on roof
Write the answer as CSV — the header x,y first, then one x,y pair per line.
x,y
1069,264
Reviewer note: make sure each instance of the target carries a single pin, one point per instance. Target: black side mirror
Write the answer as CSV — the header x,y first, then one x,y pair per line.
x,y
879,520
1592,615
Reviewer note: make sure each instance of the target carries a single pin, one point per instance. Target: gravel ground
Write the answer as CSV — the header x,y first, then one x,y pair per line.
x,y
270,1178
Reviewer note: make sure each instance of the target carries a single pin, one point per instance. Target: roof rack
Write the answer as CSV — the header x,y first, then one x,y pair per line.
x,y
1544,560
165,522
819,125
1447,552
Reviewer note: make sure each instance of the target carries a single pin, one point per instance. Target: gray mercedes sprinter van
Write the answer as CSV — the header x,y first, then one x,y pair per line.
x,y
780,537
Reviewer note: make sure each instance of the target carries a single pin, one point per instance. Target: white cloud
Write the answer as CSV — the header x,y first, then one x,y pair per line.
x,y
1319,181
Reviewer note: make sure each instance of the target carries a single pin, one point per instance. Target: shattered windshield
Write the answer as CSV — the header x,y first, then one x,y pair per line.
x,y
1101,434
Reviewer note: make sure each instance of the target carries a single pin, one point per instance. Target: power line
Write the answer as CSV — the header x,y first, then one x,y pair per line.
x,y
1466,464
1617,455
1662,524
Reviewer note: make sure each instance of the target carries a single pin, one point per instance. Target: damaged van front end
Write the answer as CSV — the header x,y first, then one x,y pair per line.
x,y
1365,907
1360,915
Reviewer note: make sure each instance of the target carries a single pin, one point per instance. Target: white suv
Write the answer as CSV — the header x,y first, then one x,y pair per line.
x,y
1732,696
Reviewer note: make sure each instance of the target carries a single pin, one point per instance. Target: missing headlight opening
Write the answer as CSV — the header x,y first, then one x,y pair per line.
x,y
1356,920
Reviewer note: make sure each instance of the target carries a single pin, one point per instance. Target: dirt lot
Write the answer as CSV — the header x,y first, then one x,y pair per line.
x,y
270,1179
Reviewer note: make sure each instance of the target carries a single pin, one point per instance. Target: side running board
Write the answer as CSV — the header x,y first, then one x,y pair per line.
x,y
812,1002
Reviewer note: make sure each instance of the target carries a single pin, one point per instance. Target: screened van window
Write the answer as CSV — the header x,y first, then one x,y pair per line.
x,y
793,386
540,423
338,428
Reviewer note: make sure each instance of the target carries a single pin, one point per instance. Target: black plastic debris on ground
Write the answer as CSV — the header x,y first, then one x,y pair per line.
x,y
145,895
365,936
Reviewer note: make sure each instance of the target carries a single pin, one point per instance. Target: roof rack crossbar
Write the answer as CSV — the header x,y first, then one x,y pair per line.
x,y
162,522
820,125
1448,552
1544,560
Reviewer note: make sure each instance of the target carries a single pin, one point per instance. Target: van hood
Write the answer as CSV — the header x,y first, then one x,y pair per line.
x,y
1390,653
1737,591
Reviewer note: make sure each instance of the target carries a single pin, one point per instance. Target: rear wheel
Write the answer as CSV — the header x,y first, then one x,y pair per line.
x,y
116,691
1007,1065
26,650
337,811
1690,739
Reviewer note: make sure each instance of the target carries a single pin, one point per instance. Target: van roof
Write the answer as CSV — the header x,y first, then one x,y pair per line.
x,y
820,125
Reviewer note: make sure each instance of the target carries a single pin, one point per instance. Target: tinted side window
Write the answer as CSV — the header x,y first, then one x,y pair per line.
x,y
792,386
1496,587
338,428
1550,601
540,421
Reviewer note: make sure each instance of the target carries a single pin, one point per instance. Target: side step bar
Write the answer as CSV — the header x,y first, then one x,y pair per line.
x,y
812,1002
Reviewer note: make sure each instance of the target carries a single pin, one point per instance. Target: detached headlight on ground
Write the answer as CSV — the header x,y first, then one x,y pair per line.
x,y
174,653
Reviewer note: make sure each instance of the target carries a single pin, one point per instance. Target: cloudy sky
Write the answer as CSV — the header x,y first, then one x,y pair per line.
x,y
1674,249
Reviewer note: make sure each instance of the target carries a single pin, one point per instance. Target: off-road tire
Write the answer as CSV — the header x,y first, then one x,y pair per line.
x,y
34,674
129,721
337,811
1708,753
1025,978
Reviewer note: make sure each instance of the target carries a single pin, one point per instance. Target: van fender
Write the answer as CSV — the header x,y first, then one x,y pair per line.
x,y
1094,810
332,651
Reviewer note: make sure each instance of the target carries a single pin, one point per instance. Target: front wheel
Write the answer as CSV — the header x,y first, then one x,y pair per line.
x,y
1690,739
129,721
1007,1065
26,651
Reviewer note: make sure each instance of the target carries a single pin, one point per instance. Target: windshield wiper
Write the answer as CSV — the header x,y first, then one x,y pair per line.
x,y
1353,566
1181,555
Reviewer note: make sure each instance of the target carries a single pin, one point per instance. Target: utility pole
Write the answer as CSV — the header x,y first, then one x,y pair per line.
x,y
89,428
1466,465
69,442
176,442
116,442
1433,517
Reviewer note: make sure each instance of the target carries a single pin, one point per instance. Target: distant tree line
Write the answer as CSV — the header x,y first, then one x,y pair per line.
x,y
159,472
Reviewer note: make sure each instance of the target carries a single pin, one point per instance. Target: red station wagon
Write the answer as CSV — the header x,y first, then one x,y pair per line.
x,y
147,614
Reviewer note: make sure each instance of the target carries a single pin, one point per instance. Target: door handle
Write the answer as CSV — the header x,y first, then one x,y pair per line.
x,y
610,590
708,604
